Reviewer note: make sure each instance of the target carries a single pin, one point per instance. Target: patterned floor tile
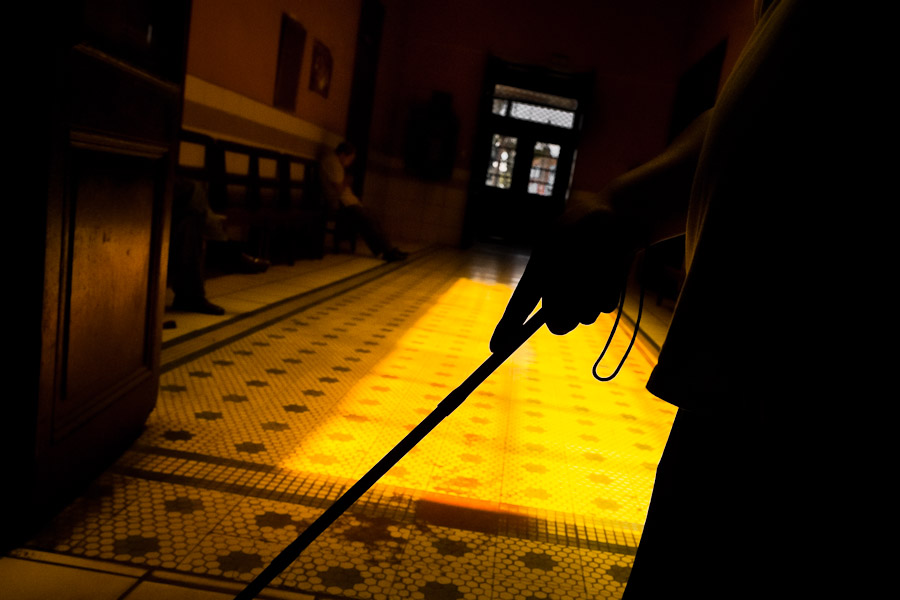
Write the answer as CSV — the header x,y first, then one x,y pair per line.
x,y
159,528
441,563
536,487
357,557
527,569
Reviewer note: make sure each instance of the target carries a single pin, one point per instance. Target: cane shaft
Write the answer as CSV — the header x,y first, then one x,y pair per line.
x,y
346,500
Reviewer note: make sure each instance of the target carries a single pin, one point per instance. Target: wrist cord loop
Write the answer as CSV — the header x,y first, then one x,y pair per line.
x,y
613,332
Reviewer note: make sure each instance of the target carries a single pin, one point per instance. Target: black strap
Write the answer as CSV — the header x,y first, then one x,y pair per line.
x,y
613,332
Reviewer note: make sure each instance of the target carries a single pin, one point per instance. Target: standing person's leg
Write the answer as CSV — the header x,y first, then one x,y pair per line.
x,y
705,524
187,252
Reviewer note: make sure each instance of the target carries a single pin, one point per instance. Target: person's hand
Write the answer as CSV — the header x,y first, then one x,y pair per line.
x,y
578,272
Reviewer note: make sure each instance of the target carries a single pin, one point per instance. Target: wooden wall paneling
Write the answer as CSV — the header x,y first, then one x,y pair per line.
x,y
117,75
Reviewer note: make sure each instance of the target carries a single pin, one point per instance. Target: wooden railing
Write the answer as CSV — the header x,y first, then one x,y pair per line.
x,y
272,200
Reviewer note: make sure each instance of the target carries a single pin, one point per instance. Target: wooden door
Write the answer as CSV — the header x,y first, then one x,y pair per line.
x,y
117,72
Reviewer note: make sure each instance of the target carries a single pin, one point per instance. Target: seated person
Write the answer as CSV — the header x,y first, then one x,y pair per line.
x,y
336,186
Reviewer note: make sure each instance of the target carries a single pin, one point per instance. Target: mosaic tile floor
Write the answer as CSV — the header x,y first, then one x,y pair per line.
x,y
535,488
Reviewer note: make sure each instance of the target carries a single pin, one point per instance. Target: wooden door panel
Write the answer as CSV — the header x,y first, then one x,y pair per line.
x,y
107,320
115,76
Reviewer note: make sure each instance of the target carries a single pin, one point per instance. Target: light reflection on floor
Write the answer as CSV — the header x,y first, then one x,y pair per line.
x,y
536,487
538,434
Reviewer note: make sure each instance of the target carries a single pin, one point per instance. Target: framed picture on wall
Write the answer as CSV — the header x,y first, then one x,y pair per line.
x,y
320,75
290,59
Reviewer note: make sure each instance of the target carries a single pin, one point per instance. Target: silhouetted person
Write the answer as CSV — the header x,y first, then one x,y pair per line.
x,y
187,251
196,232
762,353
342,201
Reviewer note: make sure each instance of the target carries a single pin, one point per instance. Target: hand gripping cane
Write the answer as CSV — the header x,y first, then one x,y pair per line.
x,y
442,410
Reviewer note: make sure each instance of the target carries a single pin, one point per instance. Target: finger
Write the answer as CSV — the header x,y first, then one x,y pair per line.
x,y
521,304
591,314
600,299
562,325
574,295
559,311
564,294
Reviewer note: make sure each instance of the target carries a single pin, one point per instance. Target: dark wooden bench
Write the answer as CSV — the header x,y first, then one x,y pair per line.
x,y
272,200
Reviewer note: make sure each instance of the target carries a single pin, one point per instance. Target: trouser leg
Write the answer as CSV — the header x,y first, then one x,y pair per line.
x,y
707,520
186,254
368,228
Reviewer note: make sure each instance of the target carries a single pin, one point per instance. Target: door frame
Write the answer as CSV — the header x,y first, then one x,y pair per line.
x,y
487,207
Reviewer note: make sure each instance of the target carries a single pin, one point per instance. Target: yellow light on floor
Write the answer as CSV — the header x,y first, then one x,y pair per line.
x,y
539,434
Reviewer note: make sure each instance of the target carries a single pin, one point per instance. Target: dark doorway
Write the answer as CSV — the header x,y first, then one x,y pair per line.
x,y
362,94
530,121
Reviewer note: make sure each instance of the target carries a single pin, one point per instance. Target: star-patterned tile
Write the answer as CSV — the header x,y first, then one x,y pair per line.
x,y
536,487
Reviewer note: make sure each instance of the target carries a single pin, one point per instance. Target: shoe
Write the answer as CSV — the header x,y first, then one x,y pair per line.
x,y
250,265
394,254
200,305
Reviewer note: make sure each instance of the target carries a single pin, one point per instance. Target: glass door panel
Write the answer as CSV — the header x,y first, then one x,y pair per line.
x,y
503,158
543,168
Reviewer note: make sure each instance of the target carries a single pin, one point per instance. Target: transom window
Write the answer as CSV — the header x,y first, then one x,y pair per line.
x,y
535,107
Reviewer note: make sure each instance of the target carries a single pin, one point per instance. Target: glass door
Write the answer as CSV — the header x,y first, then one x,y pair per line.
x,y
531,151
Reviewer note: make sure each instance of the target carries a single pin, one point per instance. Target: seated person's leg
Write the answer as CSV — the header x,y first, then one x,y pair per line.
x,y
372,233
227,256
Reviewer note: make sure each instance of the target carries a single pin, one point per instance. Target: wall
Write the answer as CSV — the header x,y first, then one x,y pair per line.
x,y
715,20
637,50
232,59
